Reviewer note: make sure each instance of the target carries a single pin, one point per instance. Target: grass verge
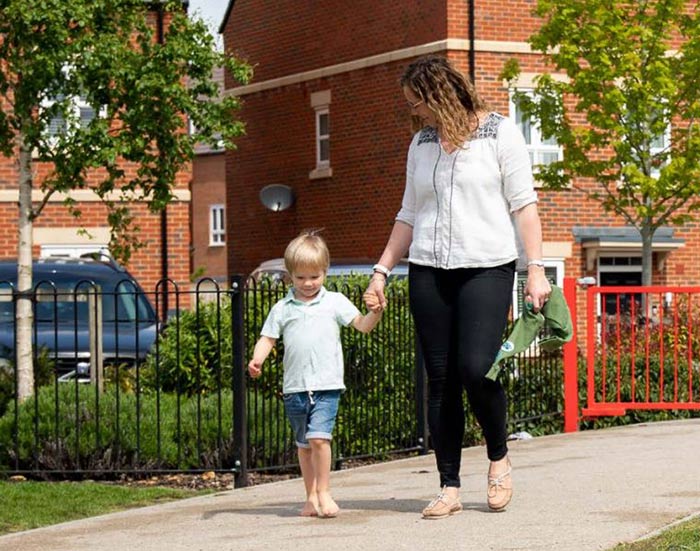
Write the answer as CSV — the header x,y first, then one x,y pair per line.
x,y
26,505
681,537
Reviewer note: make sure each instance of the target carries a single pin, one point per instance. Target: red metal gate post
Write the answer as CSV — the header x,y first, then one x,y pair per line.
x,y
571,415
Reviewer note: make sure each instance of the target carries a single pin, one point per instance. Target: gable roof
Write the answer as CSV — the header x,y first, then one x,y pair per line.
x,y
226,14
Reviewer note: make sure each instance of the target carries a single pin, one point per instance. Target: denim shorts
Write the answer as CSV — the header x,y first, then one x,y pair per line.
x,y
312,414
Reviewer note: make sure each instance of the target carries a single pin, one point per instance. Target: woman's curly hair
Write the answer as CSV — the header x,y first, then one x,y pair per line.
x,y
446,92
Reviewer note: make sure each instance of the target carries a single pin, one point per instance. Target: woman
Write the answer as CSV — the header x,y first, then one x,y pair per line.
x,y
469,189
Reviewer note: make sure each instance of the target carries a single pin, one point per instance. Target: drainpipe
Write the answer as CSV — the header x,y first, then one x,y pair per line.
x,y
472,61
163,213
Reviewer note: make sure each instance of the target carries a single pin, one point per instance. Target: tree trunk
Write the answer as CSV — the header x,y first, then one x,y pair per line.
x,y
24,321
647,234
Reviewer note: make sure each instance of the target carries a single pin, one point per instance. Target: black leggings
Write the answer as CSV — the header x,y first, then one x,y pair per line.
x,y
460,316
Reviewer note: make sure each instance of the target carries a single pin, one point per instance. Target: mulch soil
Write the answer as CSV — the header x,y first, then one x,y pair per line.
x,y
211,480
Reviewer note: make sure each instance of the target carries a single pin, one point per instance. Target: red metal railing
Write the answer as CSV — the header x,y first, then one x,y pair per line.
x,y
643,349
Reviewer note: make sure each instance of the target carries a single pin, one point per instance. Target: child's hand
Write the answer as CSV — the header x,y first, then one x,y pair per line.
x,y
372,302
255,368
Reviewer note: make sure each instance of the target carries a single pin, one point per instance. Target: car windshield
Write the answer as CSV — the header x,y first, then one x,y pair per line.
x,y
70,303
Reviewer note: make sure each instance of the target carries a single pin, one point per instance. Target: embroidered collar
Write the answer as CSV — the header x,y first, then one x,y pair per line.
x,y
487,129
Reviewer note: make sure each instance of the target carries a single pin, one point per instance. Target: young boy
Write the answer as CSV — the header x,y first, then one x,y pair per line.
x,y
309,320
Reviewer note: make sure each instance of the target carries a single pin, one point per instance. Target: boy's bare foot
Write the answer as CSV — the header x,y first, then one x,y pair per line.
x,y
327,508
310,509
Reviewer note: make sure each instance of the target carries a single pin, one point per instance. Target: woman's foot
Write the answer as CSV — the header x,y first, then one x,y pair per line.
x,y
445,504
310,508
500,485
327,507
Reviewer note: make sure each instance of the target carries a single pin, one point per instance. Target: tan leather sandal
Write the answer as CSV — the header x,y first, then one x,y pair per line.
x,y
442,507
500,490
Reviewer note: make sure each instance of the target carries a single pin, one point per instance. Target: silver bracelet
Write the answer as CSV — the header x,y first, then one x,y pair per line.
x,y
539,263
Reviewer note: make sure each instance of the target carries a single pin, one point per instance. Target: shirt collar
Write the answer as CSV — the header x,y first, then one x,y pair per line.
x,y
316,299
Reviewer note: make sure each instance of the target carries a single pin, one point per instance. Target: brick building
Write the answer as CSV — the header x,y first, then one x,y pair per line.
x,y
325,115
208,210
57,232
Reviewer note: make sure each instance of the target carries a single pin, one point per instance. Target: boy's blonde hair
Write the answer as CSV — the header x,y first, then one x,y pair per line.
x,y
308,250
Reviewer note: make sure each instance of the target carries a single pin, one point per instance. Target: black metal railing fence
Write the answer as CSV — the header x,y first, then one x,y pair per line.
x,y
129,381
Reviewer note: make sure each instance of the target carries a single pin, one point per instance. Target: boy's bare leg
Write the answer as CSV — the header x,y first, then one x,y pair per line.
x,y
321,459
310,508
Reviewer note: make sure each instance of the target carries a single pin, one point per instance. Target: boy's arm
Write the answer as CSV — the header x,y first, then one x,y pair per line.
x,y
366,323
260,352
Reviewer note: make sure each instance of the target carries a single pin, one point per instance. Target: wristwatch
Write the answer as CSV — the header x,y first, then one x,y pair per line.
x,y
382,270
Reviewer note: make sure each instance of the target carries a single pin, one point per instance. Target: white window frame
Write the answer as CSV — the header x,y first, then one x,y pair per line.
x,y
665,144
665,137
75,116
320,102
217,225
320,138
536,145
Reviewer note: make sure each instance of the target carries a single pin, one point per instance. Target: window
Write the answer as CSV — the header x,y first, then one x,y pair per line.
x,y
623,271
217,226
322,139
655,142
542,151
320,102
78,113
204,147
657,147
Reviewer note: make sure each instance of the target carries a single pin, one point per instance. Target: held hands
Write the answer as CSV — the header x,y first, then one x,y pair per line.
x,y
374,295
255,368
537,288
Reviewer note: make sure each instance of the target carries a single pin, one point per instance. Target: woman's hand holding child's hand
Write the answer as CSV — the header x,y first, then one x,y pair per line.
x,y
374,295
372,301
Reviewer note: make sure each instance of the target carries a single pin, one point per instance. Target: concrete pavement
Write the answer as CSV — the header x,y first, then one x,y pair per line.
x,y
573,492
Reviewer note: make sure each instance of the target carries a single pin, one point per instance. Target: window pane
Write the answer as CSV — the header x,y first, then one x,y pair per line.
x,y
86,115
548,157
658,142
57,126
323,124
524,124
324,150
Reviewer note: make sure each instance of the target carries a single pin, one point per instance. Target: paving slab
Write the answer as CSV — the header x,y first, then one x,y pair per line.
x,y
573,492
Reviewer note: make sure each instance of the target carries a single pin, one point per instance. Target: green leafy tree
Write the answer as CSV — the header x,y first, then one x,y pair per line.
x,y
144,69
631,72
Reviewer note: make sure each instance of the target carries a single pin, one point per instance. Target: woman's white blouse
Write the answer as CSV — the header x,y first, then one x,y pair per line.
x,y
460,204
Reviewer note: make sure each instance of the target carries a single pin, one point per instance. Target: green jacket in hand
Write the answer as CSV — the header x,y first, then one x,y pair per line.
x,y
555,314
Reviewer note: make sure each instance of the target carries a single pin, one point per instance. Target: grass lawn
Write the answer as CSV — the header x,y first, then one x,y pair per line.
x,y
682,537
25,505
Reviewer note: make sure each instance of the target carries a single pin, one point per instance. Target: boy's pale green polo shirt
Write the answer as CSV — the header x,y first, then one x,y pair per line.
x,y
313,354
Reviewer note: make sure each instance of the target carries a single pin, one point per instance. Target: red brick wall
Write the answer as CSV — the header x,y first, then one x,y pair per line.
x,y
282,37
369,127
208,188
144,265
357,204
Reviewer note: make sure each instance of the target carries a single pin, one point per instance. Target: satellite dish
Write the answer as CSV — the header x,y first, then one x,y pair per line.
x,y
277,197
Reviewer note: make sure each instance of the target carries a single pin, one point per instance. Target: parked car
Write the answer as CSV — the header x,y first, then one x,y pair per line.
x,y
275,270
61,314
